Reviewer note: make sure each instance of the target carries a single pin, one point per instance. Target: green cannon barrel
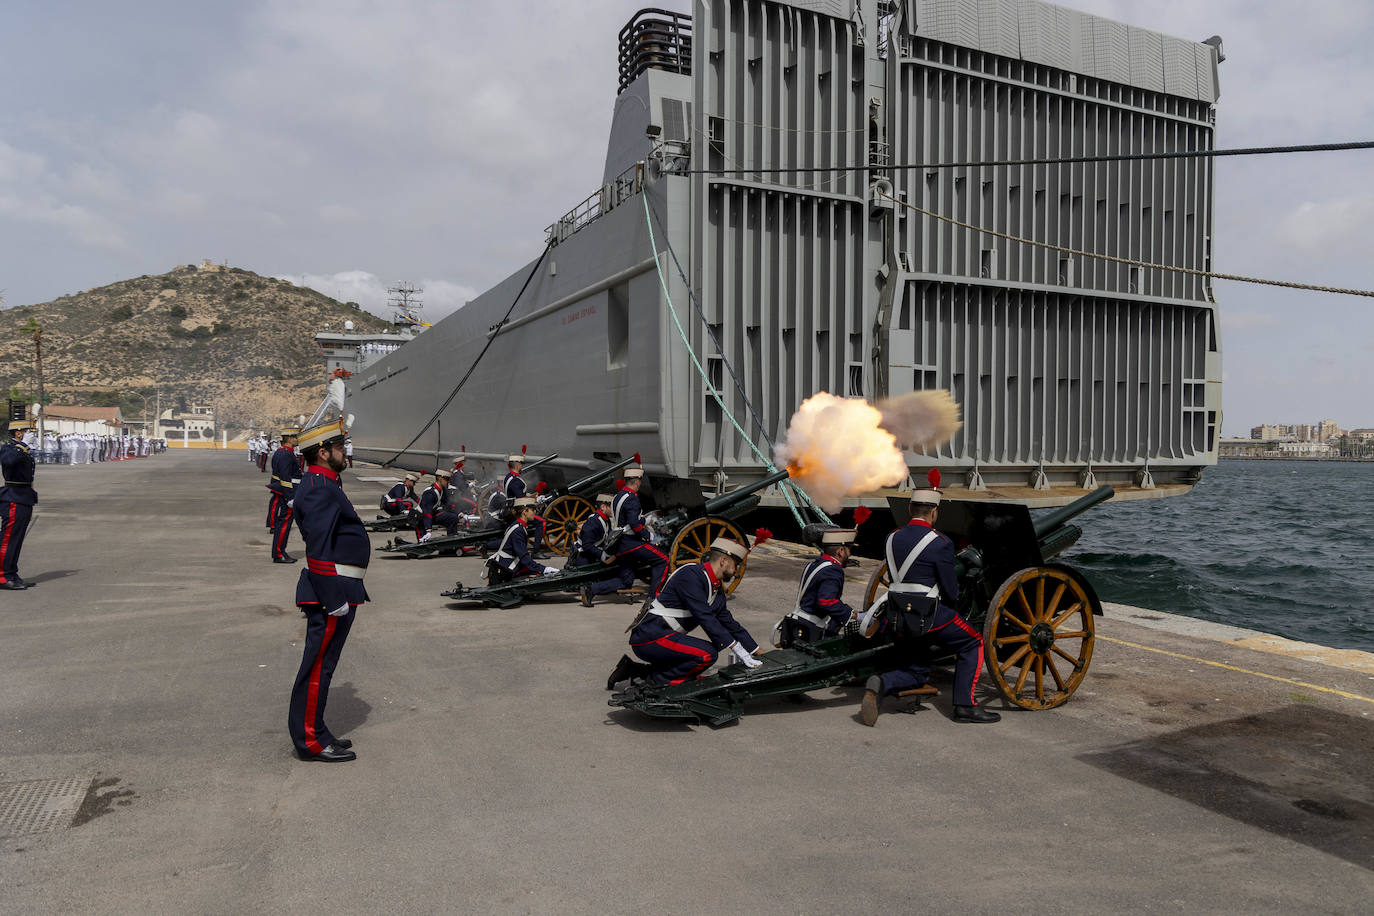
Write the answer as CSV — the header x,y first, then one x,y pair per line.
x,y
592,482
1053,531
723,503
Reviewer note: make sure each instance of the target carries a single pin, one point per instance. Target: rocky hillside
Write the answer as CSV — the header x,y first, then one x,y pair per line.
x,y
219,335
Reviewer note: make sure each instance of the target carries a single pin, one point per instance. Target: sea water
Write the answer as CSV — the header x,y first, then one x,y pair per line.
x,y
1286,547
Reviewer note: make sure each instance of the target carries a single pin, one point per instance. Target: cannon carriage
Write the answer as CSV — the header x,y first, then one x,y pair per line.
x,y
1036,617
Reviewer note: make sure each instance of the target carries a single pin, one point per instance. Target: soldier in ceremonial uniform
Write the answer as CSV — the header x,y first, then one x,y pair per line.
x,y
512,557
17,499
634,544
432,509
820,611
920,609
285,472
513,487
401,498
329,591
590,549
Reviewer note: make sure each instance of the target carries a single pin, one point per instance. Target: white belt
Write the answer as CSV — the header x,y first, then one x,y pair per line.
x,y
811,618
670,615
911,588
352,572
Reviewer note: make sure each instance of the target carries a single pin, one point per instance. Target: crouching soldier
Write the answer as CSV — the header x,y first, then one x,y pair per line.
x,y
820,610
432,511
512,557
590,549
694,596
401,498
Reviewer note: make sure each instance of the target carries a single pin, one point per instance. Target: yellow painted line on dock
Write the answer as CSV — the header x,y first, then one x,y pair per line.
x,y
1271,677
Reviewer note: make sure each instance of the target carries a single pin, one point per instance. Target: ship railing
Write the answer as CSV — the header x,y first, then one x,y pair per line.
x,y
655,39
627,185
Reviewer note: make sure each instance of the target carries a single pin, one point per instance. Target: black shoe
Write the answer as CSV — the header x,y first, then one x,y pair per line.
x,y
873,697
975,714
343,743
283,559
24,582
13,586
627,669
331,754
586,594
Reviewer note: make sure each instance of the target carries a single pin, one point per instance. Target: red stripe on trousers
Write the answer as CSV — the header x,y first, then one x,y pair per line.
x,y
685,649
656,552
5,543
973,688
312,691
285,529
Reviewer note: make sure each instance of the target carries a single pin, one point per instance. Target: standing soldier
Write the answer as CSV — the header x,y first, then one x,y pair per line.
x,y
329,591
693,597
432,510
348,451
920,609
285,472
590,549
820,610
17,499
512,557
634,545
513,488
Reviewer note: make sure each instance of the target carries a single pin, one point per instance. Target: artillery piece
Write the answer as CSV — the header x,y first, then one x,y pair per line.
x,y
506,595
565,508
688,522
403,521
1030,610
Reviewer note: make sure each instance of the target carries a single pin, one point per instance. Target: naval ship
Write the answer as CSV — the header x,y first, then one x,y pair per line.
x,y
862,197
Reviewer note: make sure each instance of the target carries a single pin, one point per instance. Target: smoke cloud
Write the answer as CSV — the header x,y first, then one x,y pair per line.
x,y
837,447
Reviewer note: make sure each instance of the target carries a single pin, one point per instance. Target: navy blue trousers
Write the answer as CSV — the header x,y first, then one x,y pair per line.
x,y
950,633
324,640
14,524
676,658
632,550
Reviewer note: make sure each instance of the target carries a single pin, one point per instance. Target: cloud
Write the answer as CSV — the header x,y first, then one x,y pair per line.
x,y
1329,227
439,298
1232,320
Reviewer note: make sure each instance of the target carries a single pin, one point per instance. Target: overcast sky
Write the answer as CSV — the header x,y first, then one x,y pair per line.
x,y
356,144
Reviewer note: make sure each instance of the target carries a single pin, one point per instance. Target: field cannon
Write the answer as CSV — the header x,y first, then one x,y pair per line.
x,y
687,522
1036,617
565,508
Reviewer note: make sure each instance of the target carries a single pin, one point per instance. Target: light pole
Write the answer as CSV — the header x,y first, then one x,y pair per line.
x,y
144,400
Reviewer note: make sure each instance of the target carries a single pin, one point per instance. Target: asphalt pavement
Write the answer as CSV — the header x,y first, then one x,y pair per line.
x,y
145,682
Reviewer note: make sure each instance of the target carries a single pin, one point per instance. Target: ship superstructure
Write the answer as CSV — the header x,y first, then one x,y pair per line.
x,y
801,196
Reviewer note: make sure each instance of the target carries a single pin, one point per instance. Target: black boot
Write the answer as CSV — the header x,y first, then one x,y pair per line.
x,y
625,669
975,714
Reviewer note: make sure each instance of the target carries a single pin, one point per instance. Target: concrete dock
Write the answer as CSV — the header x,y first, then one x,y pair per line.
x,y
145,766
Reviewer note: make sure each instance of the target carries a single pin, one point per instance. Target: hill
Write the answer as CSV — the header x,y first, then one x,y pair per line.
x,y
210,335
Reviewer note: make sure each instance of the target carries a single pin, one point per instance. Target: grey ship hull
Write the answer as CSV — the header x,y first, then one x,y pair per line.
x,y
1071,371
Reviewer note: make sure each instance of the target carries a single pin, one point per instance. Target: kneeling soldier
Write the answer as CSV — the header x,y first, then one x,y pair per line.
x,y
694,596
590,549
512,557
431,508
820,612
329,591
920,608
635,545
401,498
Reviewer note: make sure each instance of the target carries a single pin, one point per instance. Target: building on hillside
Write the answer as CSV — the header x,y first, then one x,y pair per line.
x,y
68,419
195,424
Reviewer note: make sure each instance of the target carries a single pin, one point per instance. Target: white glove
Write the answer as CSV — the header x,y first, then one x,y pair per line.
x,y
339,611
744,657
423,538
290,504
549,571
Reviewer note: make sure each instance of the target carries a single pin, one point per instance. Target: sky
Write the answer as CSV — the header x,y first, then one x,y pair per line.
x,y
354,144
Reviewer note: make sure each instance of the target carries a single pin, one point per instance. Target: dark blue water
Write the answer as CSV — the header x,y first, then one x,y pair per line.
x,y
1286,547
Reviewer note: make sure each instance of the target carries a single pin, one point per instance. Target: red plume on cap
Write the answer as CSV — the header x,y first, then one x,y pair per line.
x,y
620,484
458,464
541,486
762,536
861,514
934,478
524,449
638,460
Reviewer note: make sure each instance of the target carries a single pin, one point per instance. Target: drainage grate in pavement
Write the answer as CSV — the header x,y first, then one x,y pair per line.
x,y
38,805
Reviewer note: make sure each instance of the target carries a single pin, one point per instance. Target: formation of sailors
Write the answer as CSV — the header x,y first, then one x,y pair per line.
x,y
88,448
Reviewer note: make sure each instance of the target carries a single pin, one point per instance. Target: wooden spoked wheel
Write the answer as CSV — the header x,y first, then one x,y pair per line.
x,y
562,517
1038,636
694,540
484,494
877,586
